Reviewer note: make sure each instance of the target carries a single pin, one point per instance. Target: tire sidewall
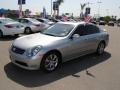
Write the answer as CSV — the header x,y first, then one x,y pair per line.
x,y
98,49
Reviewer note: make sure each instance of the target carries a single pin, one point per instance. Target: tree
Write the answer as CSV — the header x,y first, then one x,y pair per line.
x,y
107,18
59,3
82,6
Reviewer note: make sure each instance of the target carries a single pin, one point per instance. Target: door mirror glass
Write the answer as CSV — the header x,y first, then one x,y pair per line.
x,y
76,36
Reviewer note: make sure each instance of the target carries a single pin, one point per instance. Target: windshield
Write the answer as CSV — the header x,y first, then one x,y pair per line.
x,y
33,20
59,30
46,20
7,20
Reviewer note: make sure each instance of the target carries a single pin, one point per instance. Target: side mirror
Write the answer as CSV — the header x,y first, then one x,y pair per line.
x,y
75,36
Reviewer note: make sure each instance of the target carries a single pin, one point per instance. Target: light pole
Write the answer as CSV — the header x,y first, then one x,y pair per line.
x,y
51,7
20,9
89,4
99,2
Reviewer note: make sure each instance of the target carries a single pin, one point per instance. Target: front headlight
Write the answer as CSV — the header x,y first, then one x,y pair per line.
x,y
33,51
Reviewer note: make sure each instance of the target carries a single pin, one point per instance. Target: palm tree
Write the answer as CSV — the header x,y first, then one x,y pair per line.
x,y
59,3
82,8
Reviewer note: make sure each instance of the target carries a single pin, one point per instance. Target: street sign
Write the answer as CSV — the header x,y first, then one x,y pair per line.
x,y
87,11
21,2
55,5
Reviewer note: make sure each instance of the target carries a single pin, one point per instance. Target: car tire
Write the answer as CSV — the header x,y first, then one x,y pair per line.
x,y
16,35
101,48
1,34
50,62
27,30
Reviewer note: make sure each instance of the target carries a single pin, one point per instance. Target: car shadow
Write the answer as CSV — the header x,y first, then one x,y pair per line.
x,y
8,38
39,78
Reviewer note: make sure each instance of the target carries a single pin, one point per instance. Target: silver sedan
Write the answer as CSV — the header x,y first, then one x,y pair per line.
x,y
59,43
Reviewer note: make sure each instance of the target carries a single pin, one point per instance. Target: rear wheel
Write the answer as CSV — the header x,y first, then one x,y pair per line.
x,y
1,34
50,62
28,30
101,48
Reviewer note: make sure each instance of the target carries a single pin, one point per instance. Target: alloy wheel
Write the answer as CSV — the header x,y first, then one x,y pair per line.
x,y
101,48
51,62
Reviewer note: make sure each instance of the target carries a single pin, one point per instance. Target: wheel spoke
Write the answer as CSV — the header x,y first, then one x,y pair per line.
x,y
51,62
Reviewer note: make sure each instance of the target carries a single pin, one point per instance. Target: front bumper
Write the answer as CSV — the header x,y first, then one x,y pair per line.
x,y
26,62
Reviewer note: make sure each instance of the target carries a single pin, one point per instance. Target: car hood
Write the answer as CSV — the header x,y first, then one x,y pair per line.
x,y
33,40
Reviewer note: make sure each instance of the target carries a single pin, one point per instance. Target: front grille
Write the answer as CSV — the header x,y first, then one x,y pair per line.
x,y
18,50
21,63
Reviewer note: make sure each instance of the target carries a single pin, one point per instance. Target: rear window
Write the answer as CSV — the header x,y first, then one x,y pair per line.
x,y
7,20
33,20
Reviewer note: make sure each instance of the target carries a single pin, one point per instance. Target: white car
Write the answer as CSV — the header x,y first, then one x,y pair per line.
x,y
118,24
10,27
46,21
32,25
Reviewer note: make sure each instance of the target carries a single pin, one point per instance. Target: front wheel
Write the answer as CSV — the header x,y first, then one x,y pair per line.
x,y
28,30
101,48
50,62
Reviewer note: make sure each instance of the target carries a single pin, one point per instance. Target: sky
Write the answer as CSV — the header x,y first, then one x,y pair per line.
x,y
107,7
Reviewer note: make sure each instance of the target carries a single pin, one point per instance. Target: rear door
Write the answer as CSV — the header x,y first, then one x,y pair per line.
x,y
92,34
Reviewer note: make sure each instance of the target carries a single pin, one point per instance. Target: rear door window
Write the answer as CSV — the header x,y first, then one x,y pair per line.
x,y
91,29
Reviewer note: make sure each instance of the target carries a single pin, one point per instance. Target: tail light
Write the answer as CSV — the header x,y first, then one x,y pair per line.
x,y
8,26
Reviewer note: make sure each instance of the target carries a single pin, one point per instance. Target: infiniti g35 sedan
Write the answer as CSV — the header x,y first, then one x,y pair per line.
x,y
59,43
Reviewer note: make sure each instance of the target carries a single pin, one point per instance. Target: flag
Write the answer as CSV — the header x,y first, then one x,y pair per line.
x,y
87,18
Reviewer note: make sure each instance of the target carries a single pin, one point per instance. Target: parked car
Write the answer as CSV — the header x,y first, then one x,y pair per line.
x,y
111,23
10,27
118,24
94,22
32,25
55,20
71,20
46,21
59,43
102,23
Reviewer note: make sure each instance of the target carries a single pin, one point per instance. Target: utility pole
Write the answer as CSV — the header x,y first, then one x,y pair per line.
x,y
99,2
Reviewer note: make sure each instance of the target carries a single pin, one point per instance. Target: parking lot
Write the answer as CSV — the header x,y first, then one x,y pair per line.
x,y
90,72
